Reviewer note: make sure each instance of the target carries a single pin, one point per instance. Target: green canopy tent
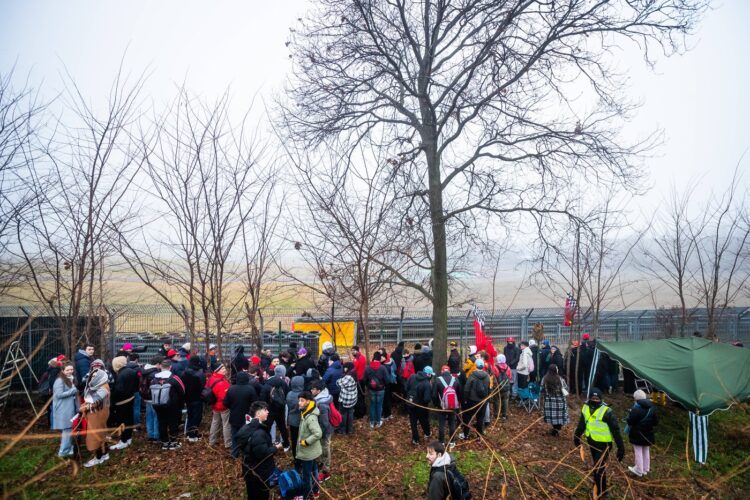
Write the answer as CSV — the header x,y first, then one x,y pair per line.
x,y
701,375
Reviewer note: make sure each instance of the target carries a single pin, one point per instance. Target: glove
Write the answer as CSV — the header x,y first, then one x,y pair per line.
x,y
620,454
303,444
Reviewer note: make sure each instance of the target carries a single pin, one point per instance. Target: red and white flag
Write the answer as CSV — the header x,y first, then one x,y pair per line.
x,y
483,342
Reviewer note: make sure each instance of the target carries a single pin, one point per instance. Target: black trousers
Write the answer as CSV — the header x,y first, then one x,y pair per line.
x,y
294,430
278,417
451,418
422,416
474,409
600,454
387,403
194,417
169,422
123,415
255,487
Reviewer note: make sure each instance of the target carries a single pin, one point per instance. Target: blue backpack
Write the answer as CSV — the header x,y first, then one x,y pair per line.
x,y
290,484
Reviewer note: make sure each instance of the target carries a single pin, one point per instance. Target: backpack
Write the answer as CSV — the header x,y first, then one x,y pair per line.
x,y
449,399
207,393
407,369
459,486
290,484
502,378
478,390
375,383
334,416
144,387
531,364
277,397
160,392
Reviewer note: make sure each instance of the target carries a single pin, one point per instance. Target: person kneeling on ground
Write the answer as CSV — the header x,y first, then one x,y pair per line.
x,y
255,442
445,479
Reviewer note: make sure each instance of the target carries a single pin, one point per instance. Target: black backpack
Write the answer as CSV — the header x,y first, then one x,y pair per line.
x,y
277,398
458,484
207,393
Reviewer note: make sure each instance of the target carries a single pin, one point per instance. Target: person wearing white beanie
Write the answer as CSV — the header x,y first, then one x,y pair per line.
x,y
640,430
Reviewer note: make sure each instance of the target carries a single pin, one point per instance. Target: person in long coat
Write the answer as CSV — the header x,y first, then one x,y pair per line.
x,y
64,407
555,400
96,410
641,422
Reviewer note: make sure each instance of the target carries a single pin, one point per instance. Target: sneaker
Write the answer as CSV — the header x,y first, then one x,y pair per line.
x,y
323,476
286,450
372,426
94,461
120,446
193,440
379,425
175,445
165,446
451,446
105,457
462,436
415,443
633,470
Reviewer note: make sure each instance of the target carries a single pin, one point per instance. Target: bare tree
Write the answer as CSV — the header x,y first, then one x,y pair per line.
x,y
205,179
20,114
80,188
346,240
722,240
669,257
484,94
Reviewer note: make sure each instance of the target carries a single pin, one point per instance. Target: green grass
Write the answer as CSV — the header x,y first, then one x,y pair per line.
x,y
24,461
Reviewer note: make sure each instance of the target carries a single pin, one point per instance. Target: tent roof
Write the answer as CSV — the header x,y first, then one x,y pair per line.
x,y
702,375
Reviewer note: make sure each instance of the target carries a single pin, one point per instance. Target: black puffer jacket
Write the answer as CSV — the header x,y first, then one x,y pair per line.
x,y
642,419
258,449
512,354
303,364
126,383
419,389
238,399
195,380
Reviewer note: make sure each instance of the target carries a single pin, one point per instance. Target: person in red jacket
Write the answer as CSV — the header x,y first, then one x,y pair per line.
x,y
360,363
219,384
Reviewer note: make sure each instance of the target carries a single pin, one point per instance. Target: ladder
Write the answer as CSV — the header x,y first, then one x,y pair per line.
x,y
15,360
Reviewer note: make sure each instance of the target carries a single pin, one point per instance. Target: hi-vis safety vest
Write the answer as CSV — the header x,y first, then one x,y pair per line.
x,y
596,428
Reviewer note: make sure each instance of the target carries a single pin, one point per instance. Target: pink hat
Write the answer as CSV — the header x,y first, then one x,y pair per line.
x,y
255,360
127,346
586,336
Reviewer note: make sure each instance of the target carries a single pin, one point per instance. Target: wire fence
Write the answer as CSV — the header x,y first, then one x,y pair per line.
x,y
150,325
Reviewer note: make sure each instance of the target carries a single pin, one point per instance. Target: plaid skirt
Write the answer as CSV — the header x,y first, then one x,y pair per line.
x,y
555,410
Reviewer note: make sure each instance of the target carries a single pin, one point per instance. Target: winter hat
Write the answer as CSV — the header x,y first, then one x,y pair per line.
x,y
639,394
255,360
195,363
119,363
211,347
480,363
171,353
428,370
472,349
425,349
545,342
127,346
327,345
453,343
586,336
500,359
511,339
532,342
186,346
445,369
280,370
302,352
377,356
595,392
97,363
243,378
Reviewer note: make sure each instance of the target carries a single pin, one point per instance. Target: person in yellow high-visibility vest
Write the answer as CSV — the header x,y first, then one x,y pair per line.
x,y
599,424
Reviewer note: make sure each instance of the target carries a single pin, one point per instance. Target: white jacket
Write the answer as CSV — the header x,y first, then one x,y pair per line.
x,y
524,363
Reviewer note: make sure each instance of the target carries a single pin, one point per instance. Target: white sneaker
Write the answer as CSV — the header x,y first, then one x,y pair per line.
x,y
461,436
379,425
451,445
94,461
193,440
120,446
105,457
634,470
286,450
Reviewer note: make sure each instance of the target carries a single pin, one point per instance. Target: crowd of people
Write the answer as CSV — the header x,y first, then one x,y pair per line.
x,y
263,405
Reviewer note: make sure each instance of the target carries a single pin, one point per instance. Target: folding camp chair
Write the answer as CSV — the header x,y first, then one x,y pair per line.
x,y
529,397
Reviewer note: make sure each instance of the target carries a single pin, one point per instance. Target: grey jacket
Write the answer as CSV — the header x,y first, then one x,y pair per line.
x,y
64,404
292,402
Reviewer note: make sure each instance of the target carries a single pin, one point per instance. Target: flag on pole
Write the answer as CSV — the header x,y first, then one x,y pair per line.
x,y
570,310
483,342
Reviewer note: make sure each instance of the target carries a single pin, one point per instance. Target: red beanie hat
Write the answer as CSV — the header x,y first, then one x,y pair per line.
x,y
255,360
586,336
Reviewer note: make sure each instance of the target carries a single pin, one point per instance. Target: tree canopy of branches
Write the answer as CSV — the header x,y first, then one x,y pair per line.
x,y
483,97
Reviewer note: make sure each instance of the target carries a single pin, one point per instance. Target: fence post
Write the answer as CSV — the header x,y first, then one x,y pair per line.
x,y
462,335
400,326
617,330
278,335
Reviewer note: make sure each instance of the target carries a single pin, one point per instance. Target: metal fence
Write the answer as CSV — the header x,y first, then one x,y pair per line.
x,y
148,325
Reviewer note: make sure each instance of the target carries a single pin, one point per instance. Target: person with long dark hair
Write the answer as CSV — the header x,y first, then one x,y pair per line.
x,y
65,407
555,400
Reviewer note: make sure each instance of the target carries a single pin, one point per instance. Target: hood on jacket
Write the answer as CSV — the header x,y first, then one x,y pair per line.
x,y
239,350
243,378
82,352
163,374
336,365
374,364
119,363
298,383
503,366
312,408
442,460
323,396
149,366
195,363
645,404
421,376
480,374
